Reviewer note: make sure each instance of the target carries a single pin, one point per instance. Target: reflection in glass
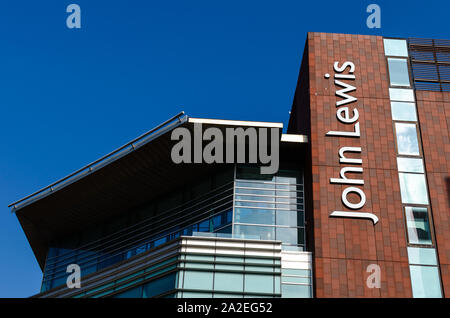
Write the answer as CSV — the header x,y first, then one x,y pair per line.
x,y
258,283
295,291
410,165
290,218
422,256
403,111
407,142
287,235
253,231
395,47
229,282
401,94
425,281
413,188
398,72
254,216
417,225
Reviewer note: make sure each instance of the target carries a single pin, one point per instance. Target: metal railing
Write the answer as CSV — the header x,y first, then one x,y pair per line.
x,y
99,163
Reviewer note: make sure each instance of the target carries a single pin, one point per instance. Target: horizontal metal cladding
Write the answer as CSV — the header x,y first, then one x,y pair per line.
x,y
238,247
142,265
170,258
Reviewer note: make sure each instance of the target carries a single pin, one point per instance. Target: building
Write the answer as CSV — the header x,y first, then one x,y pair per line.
x,y
359,207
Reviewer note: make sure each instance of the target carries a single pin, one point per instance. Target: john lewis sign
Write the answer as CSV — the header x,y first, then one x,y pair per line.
x,y
348,116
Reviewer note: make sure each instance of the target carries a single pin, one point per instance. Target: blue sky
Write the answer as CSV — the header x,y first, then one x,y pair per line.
x,y
69,96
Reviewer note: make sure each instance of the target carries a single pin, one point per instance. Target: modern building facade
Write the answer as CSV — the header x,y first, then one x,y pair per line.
x,y
359,207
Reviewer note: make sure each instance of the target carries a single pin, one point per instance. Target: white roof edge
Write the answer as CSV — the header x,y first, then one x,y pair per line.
x,y
235,122
294,138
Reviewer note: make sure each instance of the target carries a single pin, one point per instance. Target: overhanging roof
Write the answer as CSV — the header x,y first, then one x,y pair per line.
x,y
123,179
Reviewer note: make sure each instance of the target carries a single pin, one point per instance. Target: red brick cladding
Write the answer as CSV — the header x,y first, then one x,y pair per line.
x,y
343,248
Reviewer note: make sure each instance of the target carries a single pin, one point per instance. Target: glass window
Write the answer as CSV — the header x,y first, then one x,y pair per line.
x,y
298,280
258,283
417,225
219,295
257,185
204,226
196,295
403,111
227,267
422,256
395,47
255,204
298,272
410,165
255,191
291,218
229,282
287,235
130,293
407,142
398,72
425,281
254,216
198,280
413,188
255,198
255,232
295,291
401,94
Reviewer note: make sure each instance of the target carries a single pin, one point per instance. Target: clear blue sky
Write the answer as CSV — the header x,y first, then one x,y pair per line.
x,y
69,96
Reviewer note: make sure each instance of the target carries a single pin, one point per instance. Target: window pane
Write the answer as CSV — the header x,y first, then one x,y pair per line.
x,y
159,286
295,291
298,280
410,165
255,232
407,142
255,198
254,216
198,280
255,191
422,256
287,235
425,281
290,218
395,47
228,282
196,295
418,225
403,111
398,72
298,272
413,188
131,293
255,204
257,185
401,94
258,283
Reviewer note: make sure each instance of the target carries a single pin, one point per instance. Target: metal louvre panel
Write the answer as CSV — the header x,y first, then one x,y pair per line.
x,y
430,63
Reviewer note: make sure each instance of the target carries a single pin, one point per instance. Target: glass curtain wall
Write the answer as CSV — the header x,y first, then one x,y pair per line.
x,y
270,207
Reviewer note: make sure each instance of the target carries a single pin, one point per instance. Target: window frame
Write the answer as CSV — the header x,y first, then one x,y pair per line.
x,y
408,68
